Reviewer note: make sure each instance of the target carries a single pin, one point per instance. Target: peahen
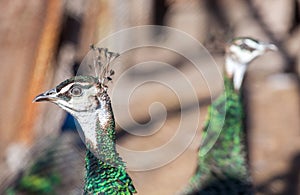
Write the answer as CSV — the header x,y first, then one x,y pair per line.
x,y
45,172
87,99
222,166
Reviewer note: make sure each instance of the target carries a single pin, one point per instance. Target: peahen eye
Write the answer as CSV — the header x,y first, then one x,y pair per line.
x,y
76,91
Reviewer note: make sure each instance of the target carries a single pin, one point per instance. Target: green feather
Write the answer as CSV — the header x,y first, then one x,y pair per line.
x,y
40,178
105,172
105,178
222,168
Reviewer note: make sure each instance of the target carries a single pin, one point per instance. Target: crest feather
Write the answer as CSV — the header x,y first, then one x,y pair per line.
x,y
102,62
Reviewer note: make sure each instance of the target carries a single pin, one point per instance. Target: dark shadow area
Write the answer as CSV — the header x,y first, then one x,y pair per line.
x,y
221,31
160,8
296,18
231,186
246,118
71,30
290,180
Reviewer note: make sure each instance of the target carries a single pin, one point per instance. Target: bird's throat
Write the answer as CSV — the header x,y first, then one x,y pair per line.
x,y
105,170
104,166
99,131
235,71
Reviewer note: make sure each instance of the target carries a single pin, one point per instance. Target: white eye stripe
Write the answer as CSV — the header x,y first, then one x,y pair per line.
x,y
251,43
70,85
66,88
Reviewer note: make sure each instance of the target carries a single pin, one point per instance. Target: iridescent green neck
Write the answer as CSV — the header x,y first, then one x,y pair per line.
x,y
222,160
105,178
228,84
105,170
106,144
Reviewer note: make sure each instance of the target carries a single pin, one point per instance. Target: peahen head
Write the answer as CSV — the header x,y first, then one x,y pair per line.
x,y
87,100
239,53
75,95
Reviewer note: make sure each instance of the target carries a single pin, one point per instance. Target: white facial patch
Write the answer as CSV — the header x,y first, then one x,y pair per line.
x,y
242,55
87,121
236,71
251,43
84,102
239,76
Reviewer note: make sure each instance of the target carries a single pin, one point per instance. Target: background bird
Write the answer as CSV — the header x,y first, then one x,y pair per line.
x,y
86,98
222,165
47,172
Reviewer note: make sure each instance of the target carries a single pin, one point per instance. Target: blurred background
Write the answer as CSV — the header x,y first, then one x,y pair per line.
x,y
43,42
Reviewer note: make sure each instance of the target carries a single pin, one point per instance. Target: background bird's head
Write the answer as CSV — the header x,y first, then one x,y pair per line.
x,y
244,49
239,53
77,95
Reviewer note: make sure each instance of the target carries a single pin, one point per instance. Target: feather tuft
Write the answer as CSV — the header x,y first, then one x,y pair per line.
x,y
102,61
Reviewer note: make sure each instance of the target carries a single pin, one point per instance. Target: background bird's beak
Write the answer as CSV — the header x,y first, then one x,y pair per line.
x,y
270,47
47,96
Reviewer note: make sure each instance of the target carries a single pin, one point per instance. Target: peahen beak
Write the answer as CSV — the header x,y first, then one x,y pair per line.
x,y
270,47
49,95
